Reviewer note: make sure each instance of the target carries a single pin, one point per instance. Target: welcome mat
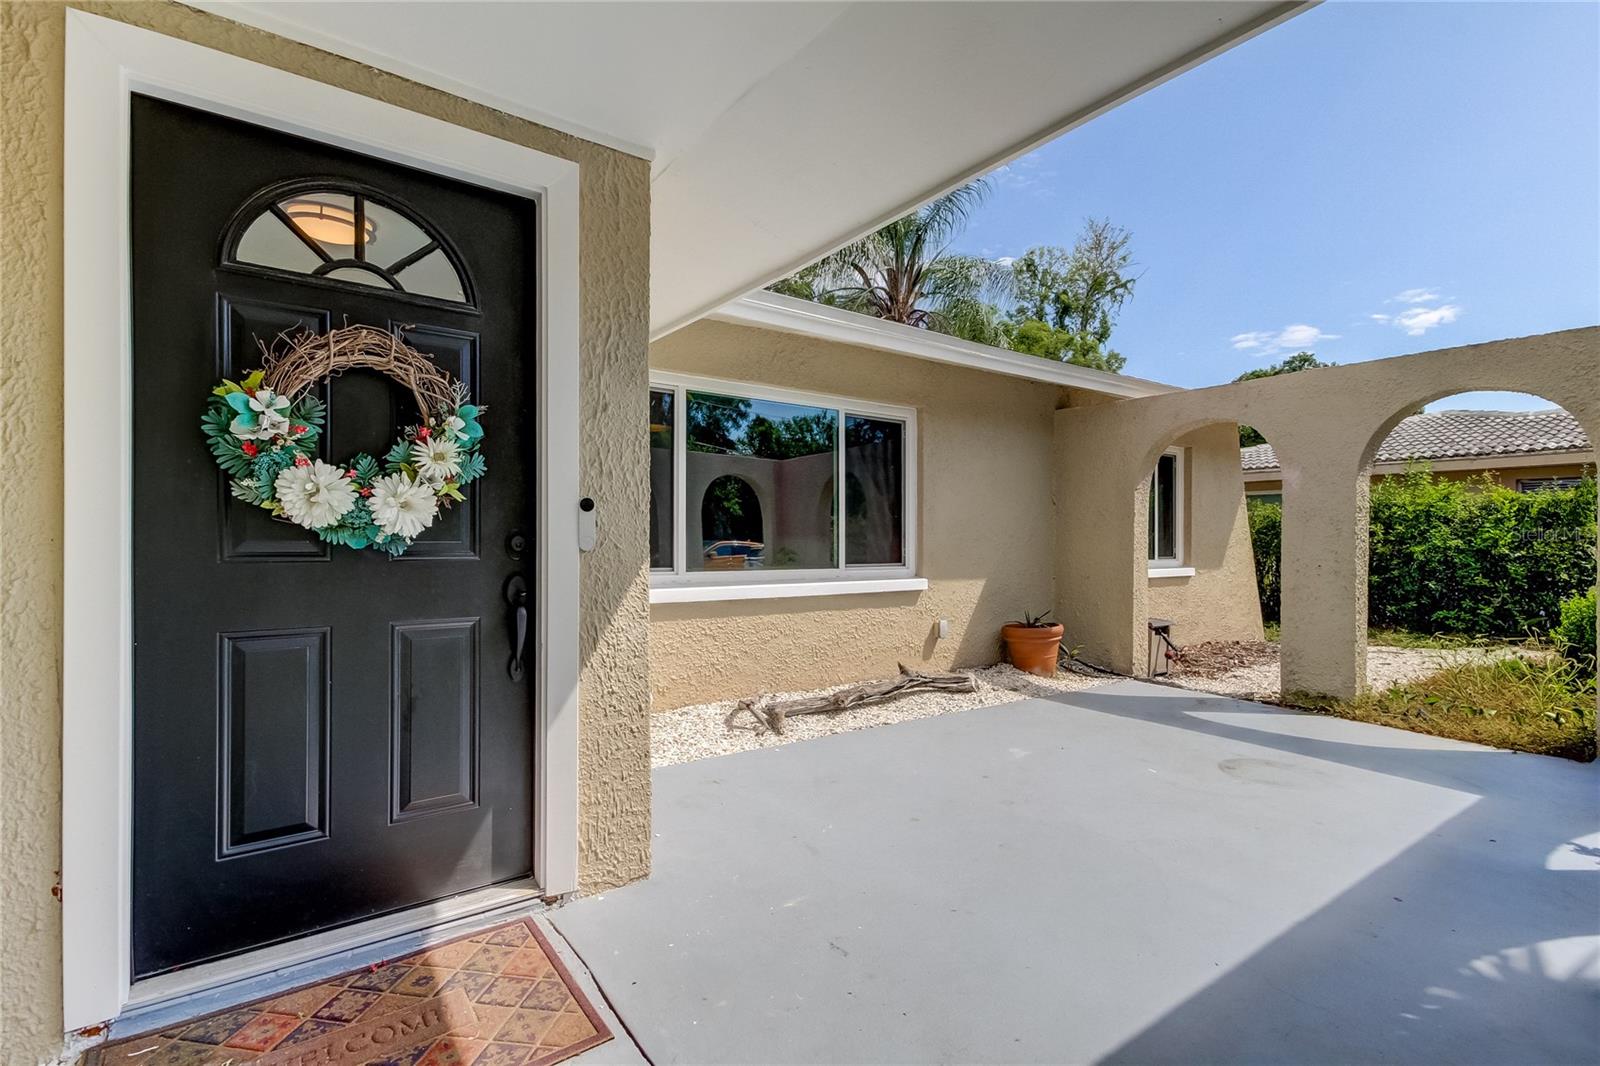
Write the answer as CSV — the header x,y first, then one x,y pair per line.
x,y
500,997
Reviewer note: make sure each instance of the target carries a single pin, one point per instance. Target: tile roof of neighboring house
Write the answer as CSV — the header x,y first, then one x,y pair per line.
x,y
1461,435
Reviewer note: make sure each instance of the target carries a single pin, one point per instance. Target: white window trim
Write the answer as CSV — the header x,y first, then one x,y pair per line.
x,y
107,61
733,583
1170,566
779,590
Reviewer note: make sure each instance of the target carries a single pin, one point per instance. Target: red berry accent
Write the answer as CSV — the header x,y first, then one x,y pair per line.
x,y
299,429
249,448
301,460
423,432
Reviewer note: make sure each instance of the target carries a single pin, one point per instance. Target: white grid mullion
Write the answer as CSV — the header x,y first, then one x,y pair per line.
x,y
680,466
839,498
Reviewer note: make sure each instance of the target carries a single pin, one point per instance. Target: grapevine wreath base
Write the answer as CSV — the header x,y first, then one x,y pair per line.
x,y
264,431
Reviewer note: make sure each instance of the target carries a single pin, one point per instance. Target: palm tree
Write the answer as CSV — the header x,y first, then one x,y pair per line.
x,y
906,273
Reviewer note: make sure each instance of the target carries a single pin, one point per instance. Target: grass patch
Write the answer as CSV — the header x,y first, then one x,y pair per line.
x,y
1405,638
1538,703
1272,632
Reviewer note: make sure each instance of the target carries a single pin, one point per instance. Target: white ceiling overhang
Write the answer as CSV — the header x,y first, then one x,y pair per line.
x,y
779,131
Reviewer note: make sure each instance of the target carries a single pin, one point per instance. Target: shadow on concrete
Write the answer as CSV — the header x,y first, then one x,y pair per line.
x,y
1487,961
1127,874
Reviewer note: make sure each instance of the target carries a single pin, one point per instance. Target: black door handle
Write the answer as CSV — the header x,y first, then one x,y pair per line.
x,y
517,596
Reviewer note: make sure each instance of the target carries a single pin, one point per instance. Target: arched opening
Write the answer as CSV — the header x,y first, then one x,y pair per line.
x,y
731,527
1201,585
1480,571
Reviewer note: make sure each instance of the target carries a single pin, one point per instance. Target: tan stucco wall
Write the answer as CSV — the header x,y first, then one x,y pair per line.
x,y
1507,476
1325,426
984,521
1219,601
614,783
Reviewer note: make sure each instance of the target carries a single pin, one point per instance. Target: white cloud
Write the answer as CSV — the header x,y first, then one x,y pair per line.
x,y
1416,321
1424,309
1291,338
1026,174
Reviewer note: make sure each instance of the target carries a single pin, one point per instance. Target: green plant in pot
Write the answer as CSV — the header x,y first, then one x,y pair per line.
x,y
1033,644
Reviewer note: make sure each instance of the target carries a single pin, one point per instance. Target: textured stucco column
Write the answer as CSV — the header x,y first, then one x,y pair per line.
x,y
1324,606
1101,587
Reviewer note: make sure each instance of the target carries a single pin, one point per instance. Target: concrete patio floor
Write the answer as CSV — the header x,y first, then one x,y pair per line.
x,y
1132,873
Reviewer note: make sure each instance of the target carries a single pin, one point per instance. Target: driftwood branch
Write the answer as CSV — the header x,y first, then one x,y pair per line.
x,y
770,713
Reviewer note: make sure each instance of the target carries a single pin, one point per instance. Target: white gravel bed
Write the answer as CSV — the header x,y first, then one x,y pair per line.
x,y
1386,667
700,732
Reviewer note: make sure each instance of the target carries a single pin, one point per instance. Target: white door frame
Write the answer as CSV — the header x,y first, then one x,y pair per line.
x,y
108,61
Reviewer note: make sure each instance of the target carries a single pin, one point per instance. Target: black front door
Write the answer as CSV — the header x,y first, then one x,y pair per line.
x,y
321,734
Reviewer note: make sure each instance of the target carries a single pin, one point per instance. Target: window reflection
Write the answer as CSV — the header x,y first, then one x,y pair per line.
x,y
757,469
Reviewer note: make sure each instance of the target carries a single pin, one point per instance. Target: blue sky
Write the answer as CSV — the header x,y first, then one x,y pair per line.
x,y
1368,179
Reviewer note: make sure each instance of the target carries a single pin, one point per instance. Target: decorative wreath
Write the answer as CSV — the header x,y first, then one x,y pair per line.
x,y
263,431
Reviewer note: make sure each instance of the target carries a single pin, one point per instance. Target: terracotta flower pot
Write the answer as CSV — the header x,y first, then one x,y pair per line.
x,y
1033,648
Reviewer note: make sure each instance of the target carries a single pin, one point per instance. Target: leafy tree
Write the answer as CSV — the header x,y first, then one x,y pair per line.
x,y
1296,362
716,423
905,272
1249,435
1036,337
789,438
807,283
1068,300
728,425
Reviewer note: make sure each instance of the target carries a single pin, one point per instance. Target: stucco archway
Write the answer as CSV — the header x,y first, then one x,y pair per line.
x,y
1323,424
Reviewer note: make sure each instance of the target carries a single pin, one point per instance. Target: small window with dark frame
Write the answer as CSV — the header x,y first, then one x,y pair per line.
x,y
1163,511
662,554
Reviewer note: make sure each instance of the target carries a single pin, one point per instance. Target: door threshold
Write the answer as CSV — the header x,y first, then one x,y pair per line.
x,y
188,993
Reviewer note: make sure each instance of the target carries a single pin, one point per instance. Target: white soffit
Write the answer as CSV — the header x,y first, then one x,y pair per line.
x,y
778,131
769,310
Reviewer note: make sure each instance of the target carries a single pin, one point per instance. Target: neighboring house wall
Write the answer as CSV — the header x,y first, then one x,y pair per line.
x,y
985,526
1219,600
615,766
1507,476
1325,425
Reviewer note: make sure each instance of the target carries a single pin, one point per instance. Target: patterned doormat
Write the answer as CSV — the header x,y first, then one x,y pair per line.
x,y
499,997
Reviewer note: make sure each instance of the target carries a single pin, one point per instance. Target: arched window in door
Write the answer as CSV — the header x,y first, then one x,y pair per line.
x,y
349,234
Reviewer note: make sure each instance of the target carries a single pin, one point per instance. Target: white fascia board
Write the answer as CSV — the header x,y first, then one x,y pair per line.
x,y
789,314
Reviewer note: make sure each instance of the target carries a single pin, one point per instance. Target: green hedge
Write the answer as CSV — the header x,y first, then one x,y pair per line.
x,y
1467,557
1266,536
1575,634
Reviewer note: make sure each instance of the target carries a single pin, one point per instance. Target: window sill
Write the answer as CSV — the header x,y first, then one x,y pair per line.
x,y
783,590
1171,571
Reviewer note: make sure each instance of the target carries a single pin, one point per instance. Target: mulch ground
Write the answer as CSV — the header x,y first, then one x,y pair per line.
x,y
1218,657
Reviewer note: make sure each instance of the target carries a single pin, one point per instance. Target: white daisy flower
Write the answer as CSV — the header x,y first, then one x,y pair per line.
x,y
315,495
437,459
402,507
